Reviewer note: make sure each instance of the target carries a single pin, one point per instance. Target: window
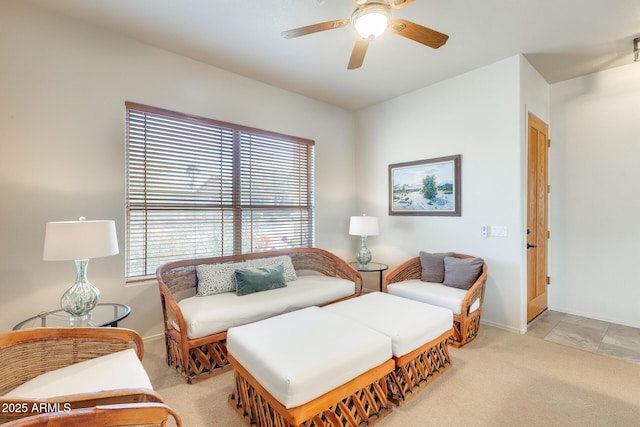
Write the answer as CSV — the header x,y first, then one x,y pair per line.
x,y
198,187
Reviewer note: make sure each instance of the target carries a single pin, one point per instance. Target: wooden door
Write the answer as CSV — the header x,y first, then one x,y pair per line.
x,y
537,216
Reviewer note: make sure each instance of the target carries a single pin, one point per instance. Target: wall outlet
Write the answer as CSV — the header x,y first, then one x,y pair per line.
x,y
484,231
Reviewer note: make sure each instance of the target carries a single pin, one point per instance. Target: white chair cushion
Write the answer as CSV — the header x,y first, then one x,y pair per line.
x,y
432,293
114,371
304,354
410,324
216,313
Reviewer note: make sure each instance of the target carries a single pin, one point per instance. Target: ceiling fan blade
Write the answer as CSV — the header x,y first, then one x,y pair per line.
x,y
310,29
357,56
399,4
418,33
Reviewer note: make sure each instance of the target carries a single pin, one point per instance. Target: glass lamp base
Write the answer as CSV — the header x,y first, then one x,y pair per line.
x,y
75,321
82,297
363,256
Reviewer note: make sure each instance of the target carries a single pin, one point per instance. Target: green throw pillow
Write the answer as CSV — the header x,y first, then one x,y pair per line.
x,y
258,279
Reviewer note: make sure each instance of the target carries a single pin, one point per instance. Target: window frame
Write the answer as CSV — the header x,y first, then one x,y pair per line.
x,y
243,137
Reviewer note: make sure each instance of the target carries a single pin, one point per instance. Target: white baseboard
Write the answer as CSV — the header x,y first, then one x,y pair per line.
x,y
503,327
153,338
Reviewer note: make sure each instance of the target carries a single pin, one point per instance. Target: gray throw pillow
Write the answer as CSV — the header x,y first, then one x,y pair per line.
x,y
217,278
285,260
461,273
433,266
258,279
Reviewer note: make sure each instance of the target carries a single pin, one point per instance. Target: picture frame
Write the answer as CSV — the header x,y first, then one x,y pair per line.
x,y
438,177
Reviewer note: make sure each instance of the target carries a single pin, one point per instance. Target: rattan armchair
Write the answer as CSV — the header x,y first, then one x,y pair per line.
x,y
148,414
465,324
28,353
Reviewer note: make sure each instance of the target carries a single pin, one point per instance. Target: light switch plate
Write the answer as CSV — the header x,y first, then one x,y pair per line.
x,y
499,230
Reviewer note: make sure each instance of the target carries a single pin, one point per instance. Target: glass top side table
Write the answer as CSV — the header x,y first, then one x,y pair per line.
x,y
370,267
104,314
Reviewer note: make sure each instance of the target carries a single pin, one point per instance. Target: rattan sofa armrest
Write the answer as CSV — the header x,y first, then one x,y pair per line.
x,y
121,414
475,292
324,262
28,353
408,270
22,407
171,311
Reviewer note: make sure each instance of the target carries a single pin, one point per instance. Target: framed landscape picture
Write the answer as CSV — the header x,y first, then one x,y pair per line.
x,y
425,187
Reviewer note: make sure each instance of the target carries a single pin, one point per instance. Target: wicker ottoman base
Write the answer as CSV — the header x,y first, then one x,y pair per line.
x,y
416,369
463,336
419,333
202,360
361,401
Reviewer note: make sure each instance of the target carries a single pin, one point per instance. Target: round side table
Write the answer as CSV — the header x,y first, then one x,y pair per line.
x,y
370,267
104,314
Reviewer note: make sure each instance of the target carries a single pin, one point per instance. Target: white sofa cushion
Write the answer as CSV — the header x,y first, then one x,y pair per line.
x,y
304,354
114,371
410,324
432,293
216,313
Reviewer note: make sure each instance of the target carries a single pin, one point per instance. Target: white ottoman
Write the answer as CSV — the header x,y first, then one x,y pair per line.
x,y
309,364
418,331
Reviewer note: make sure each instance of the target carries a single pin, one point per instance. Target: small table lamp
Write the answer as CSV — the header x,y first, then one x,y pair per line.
x,y
79,241
363,226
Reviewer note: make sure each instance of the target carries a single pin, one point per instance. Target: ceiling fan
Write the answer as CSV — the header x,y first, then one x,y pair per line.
x,y
370,19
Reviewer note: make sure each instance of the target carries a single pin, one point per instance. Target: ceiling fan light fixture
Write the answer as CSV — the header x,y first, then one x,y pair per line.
x,y
371,19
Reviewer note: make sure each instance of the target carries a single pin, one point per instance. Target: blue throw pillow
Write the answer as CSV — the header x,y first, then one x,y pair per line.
x,y
258,279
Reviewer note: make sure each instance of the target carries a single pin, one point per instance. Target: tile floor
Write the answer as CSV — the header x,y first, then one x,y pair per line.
x,y
596,336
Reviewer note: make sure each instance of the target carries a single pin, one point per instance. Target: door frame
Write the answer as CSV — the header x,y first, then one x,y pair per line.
x,y
540,238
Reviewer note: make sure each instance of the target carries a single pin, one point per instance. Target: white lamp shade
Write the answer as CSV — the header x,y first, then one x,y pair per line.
x,y
363,226
75,240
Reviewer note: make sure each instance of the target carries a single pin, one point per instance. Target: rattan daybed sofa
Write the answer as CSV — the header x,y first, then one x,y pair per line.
x,y
406,280
195,326
45,370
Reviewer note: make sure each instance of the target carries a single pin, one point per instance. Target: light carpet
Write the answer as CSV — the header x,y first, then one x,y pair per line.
x,y
499,379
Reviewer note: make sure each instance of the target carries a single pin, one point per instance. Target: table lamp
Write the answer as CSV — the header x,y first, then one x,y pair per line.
x,y
363,226
79,241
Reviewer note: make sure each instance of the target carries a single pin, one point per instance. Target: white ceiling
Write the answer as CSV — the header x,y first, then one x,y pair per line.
x,y
562,39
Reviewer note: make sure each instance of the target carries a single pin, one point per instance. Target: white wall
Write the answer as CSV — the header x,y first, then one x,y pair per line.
x,y
595,227
478,115
62,155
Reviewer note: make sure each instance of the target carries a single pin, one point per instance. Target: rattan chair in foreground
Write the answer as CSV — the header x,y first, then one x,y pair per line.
x,y
148,414
29,353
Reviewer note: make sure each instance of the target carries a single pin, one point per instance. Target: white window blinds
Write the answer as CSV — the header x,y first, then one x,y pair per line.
x,y
198,187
